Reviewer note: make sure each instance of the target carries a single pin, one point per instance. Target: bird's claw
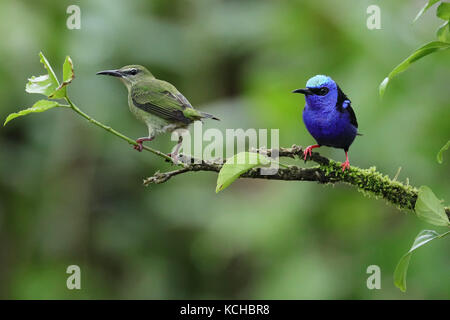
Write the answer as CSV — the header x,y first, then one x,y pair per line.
x,y
308,151
175,157
345,165
138,146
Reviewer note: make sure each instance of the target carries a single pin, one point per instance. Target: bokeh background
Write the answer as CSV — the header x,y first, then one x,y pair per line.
x,y
70,193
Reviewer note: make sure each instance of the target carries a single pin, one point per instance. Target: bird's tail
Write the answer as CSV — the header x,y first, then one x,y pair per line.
x,y
208,116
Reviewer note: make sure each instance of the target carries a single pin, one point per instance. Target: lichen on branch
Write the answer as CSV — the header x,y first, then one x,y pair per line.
x,y
369,181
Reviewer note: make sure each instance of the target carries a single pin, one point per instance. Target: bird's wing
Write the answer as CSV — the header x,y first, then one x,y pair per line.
x,y
182,99
343,104
352,114
161,99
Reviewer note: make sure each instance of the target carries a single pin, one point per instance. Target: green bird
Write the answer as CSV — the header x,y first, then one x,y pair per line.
x,y
157,103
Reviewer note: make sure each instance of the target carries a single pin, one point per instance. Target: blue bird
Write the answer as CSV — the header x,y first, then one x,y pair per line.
x,y
328,116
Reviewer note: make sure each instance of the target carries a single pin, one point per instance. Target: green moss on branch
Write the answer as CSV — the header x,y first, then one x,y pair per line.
x,y
369,181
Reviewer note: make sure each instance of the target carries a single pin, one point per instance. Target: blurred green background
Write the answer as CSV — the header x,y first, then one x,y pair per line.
x,y
70,193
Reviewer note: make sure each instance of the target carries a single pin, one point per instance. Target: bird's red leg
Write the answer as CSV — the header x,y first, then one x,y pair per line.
x,y
346,164
174,155
308,150
139,142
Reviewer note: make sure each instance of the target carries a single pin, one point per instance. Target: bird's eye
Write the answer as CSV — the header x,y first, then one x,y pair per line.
x,y
133,71
323,91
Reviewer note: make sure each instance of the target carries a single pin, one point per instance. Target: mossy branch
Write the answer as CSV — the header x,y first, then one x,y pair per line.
x,y
328,171
369,181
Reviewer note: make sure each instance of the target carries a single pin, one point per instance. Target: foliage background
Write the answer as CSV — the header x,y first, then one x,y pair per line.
x,y
72,194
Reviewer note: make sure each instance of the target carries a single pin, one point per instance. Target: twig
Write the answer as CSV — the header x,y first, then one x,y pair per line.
x,y
117,133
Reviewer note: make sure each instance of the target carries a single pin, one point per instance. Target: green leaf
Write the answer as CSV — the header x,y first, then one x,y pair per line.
x,y
68,76
429,208
425,8
422,238
45,84
416,55
383,86
443,33
440,155
236,165
443,11
40,106
400,272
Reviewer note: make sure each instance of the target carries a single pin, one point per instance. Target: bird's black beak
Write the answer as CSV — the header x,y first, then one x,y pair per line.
x,y
114,73
305,91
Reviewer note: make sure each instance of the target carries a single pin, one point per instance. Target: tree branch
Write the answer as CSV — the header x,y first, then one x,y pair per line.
x,y
369,181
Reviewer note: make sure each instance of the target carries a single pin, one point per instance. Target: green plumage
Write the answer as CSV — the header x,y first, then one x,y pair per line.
x,y
156,102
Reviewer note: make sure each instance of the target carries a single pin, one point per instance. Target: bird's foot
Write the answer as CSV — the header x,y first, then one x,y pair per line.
x,y
175,152
175,157
139,146
308,151
345,165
